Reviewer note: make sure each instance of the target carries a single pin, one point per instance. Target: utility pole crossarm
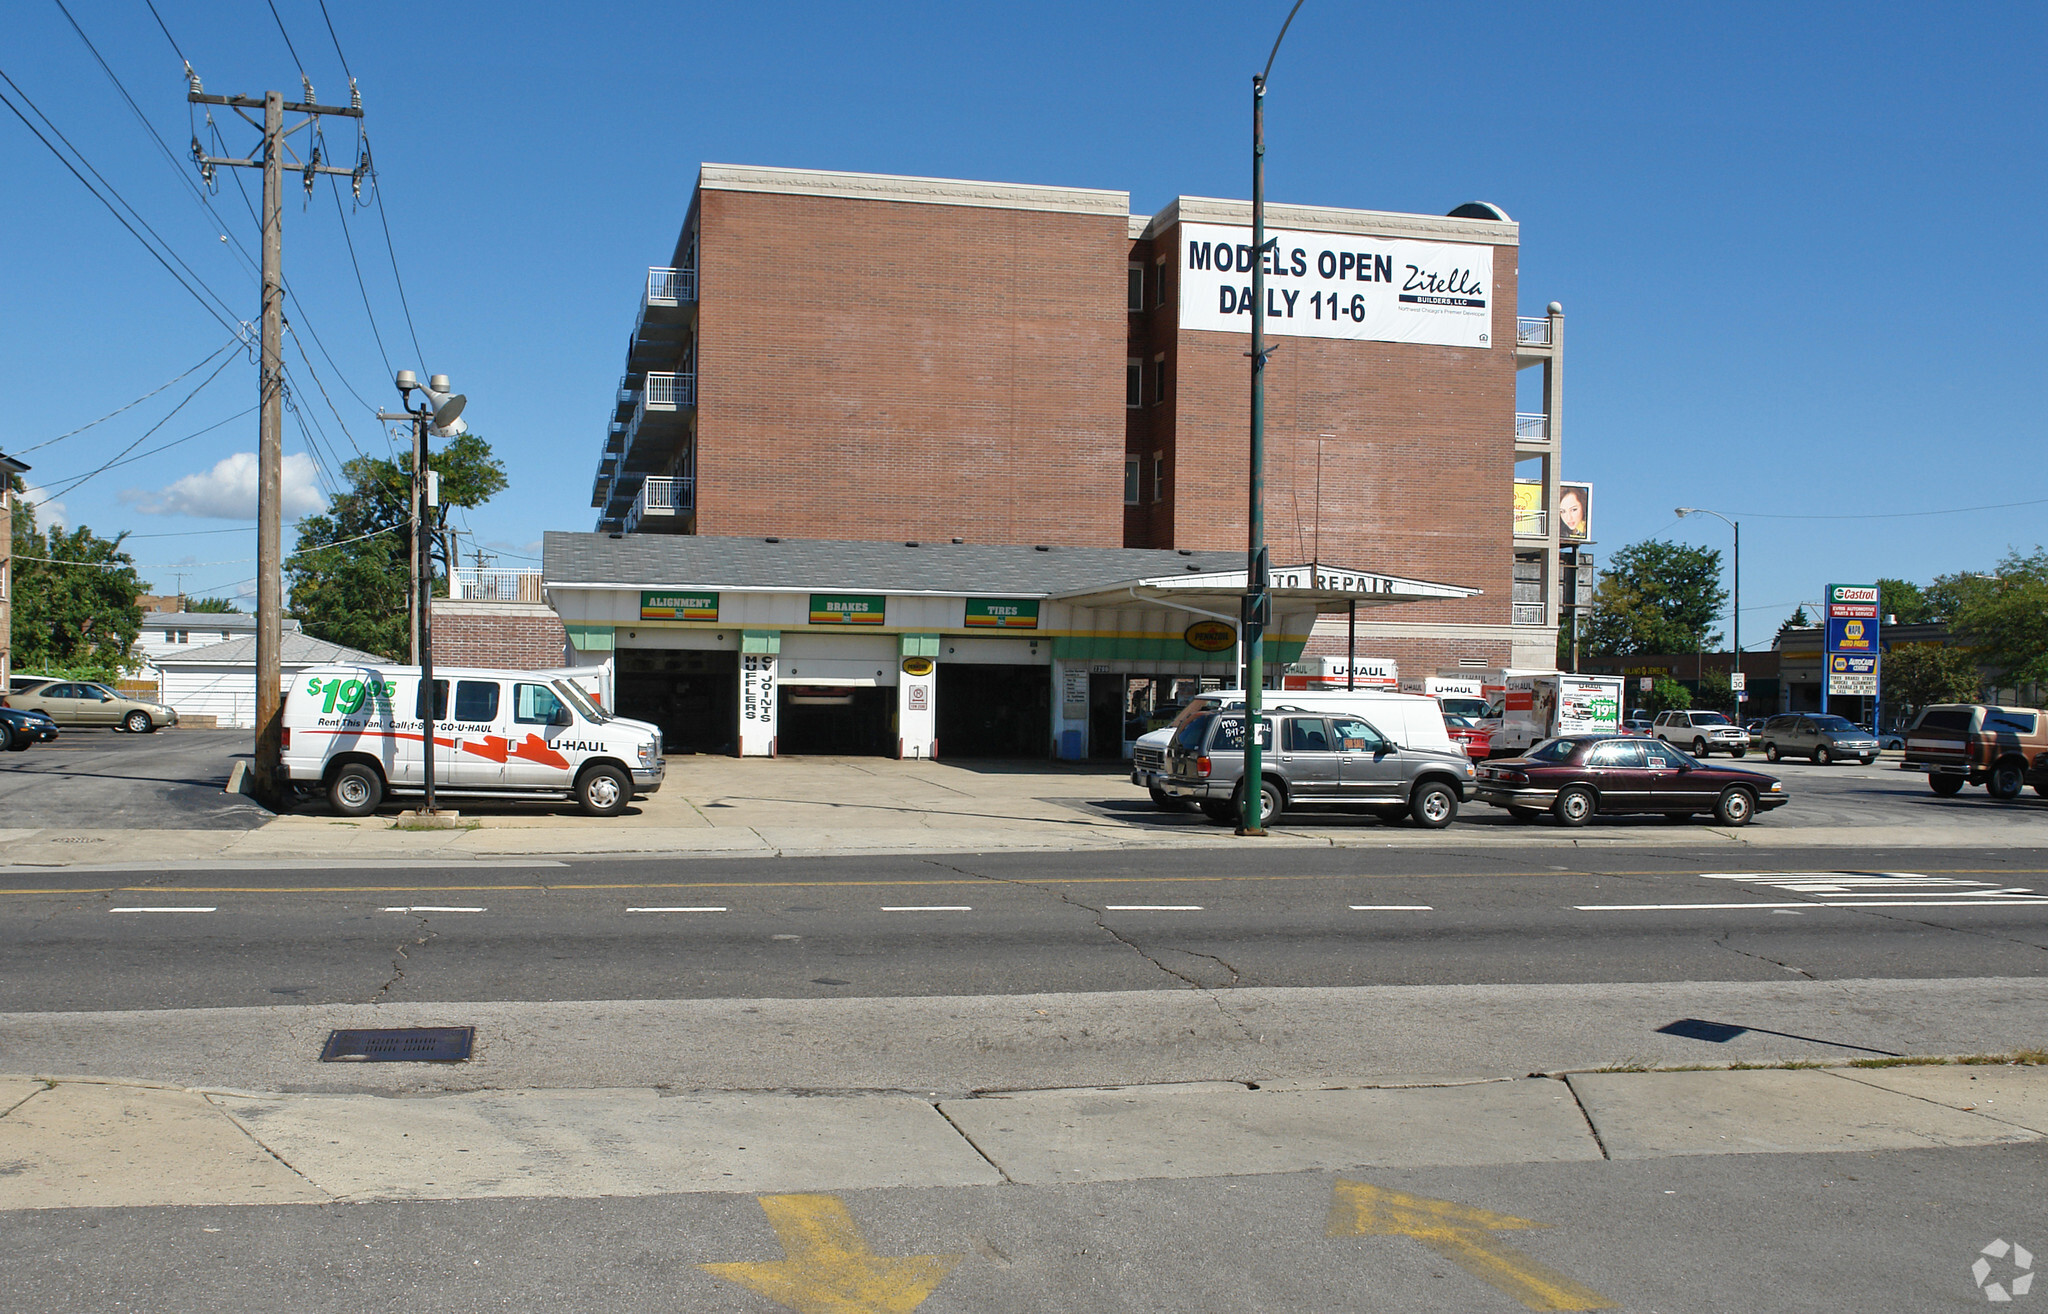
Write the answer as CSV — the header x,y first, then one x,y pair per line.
x,y
256,102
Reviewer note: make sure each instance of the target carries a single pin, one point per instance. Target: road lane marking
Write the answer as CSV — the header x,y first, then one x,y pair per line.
x,y
667,910
163,910
928,907
1887,889
827,1265
1391,907
428,907
1152,907
1462,1234
1661,907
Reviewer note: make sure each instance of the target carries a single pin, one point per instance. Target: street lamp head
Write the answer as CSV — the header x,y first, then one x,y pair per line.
x,y
438,383
1685,511
407,381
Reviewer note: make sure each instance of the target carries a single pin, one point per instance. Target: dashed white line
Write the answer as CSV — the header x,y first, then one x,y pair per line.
x,y
668,910
1152,907
426,907
928,907
161,910
1660,907
1391,907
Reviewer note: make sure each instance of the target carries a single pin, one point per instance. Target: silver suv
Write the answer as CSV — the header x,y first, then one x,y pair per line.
x,y
1701,733
1821,738
1334,760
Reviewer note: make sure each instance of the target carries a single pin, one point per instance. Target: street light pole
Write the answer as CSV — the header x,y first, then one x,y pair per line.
x,y
1258,601
438,416
1735,613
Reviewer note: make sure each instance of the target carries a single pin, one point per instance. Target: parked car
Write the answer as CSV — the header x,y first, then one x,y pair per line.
x,y
1820,738
1755,726
1313,759
82,702
2004,749
1702,732
1642,726
1573,778
20,727
1473,737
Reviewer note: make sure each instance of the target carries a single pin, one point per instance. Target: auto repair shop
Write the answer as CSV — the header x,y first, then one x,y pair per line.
x,y
769,646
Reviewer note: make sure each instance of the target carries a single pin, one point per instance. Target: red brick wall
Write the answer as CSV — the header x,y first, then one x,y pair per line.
x,y
1416,657
523,638
891,370
1415,481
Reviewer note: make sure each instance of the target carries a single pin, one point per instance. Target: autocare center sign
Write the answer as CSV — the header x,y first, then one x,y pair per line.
x,y
1852,651
1339,285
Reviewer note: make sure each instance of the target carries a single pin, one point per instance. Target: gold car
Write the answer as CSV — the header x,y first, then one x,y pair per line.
x,y
81,702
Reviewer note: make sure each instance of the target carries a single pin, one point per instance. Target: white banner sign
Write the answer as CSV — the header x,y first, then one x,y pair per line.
x,y
1339,285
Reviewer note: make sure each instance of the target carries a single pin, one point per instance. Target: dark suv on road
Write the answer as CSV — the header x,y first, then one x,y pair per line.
x,y
1314,759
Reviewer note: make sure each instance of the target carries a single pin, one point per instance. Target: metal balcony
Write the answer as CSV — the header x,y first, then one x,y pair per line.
x,y
1532,332
661,496
470,584
669,392
626,399
1528,613
667,311
1532,428
615,438
670,287
1532,524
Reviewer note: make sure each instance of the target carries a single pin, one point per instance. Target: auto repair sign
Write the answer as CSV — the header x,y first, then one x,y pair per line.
x,y
1338,285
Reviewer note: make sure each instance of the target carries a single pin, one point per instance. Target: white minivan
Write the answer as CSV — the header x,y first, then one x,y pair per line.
x,y
355,733
1410,721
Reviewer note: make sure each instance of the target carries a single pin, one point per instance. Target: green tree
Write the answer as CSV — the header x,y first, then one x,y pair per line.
x,y
1716,693
1798,620
2005,619
74,598
1666,695
351,571
1903,603
1949,595
210,606
1656,597
1918,674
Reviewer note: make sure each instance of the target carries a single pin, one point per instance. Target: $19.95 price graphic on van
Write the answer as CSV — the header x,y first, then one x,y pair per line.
x,y
348,696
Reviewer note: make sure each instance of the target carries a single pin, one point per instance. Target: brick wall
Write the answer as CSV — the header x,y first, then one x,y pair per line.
x,y
892,370
523,636
1415,479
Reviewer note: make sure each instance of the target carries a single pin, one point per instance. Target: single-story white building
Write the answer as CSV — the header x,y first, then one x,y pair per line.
x,y
219,680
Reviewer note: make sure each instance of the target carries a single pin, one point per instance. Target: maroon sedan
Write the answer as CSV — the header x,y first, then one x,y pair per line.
x,y
1574,777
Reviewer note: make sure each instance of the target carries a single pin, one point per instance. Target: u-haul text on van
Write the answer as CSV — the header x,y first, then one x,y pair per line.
x,y
1339,285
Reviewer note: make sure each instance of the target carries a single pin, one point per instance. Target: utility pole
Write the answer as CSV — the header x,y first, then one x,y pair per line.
x,y
269,773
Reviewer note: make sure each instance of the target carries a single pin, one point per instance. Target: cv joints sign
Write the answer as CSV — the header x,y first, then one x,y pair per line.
x,y
1339,285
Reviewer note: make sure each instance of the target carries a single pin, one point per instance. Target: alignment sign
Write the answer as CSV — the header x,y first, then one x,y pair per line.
x,y
1339,285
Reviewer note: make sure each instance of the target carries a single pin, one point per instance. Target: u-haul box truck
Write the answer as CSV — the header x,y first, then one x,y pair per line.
x,y
1534,708
357,734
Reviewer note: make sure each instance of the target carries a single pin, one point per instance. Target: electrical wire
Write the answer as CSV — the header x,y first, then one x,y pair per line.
x,y
315,376
337,43
225,322
166,31
143,456
23,451
1894,515
288,43
146,433
361,286
196,565
396,277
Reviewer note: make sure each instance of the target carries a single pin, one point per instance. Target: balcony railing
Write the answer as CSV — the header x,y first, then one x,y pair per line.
x,y
668,392
1532,332
626,391
661,495
470,584
1528,613
1532,428
669,287
1532,524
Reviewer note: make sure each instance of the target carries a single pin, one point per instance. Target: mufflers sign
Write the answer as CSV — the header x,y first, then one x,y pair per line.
x,y
1339,285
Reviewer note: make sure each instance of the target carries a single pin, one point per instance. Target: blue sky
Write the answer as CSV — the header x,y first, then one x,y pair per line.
x,y
1798,246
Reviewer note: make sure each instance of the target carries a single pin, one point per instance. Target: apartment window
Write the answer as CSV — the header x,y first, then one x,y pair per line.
x,y
1159,281
1134,296
184,636
1134,383
1158,379
1159,476
1130,481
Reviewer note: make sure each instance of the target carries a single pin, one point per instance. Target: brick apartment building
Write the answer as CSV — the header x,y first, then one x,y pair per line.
x,y
867,358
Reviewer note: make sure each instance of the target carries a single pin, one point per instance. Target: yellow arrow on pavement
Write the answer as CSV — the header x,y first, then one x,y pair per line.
x,y
1463,1235
828,1267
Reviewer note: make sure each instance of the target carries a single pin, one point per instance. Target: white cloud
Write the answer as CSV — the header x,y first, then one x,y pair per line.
x,y
228,491
49,515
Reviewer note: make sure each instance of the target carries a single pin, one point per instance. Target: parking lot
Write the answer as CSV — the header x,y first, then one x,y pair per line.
x,y
105,779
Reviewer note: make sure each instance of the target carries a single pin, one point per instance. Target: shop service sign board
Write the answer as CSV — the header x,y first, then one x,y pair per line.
x,y
678,604
1852,640
1002,613
1339,285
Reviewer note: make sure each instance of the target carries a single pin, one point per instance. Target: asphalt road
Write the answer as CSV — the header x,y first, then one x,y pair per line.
x,y
1006,924
109,779
1889,1231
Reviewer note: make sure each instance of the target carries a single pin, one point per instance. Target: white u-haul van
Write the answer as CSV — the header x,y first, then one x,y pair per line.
x,y
355,732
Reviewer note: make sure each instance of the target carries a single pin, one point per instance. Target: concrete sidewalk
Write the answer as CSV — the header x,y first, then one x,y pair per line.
x,y
75,1143
795,807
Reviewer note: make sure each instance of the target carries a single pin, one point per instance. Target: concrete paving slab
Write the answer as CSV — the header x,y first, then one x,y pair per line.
x,y
1642,1115
14,1090
1107,1136
84,1145
2018,1095
607,1142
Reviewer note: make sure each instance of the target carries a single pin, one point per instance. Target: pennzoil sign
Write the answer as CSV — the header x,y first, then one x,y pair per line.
x,y
1210,636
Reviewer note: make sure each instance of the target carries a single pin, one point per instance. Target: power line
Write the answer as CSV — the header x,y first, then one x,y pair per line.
x,y
166,31
1895,515
146,433
289,46
385,219
361,286
226,323
131,405
143,456
337,43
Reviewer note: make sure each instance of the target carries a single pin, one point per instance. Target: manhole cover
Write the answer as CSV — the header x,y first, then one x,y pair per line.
x,y
75,839
400,1045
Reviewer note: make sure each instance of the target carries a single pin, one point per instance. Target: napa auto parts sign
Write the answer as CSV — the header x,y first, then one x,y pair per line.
x,y
1339,285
